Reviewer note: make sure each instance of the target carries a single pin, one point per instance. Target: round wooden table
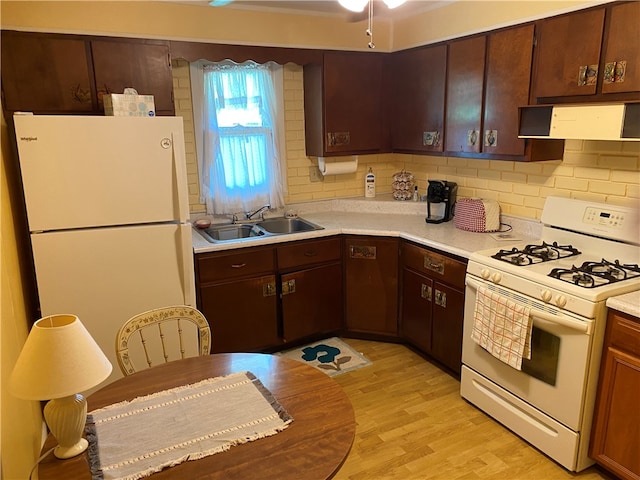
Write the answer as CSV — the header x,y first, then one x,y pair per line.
x,y
314,446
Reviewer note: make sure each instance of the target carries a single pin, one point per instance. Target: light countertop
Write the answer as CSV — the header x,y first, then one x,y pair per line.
x,y
627,303
384,216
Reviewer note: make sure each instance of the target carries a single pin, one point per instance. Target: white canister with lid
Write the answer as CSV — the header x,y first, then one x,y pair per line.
x,y
370,184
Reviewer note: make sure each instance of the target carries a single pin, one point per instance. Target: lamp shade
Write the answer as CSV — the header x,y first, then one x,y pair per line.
x,y
59,358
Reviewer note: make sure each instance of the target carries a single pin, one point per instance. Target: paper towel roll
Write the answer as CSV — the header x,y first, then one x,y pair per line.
x,y
338,167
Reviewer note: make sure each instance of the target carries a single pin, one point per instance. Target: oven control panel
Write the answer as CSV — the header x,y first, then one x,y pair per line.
x,y
608,218
613,222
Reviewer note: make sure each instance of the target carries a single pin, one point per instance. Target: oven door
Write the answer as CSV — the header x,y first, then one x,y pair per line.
x,y
554,380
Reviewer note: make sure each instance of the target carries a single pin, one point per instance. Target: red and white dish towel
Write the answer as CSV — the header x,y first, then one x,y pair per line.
x,y
502,327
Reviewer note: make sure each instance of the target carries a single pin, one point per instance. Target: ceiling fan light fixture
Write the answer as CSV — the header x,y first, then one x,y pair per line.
x,y
394,3
355,5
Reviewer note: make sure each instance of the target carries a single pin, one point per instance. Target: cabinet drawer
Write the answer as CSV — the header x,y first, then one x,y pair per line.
x,y
238,263
625,332
308,252
434,264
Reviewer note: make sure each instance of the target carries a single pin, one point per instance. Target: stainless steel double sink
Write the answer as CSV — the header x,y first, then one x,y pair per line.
x,y
261,228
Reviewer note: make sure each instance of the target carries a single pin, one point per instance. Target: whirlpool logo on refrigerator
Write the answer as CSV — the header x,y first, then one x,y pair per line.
x,y
28,139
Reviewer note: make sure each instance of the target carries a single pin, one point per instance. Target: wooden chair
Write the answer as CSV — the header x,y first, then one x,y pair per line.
x,y
162,335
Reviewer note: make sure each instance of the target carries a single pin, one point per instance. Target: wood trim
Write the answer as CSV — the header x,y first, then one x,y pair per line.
x,y
215,52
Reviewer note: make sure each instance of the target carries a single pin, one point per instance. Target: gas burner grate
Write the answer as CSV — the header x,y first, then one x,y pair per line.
x,y
596,274
532,253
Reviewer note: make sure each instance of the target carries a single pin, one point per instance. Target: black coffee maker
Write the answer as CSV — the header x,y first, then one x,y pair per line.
x,y
441,197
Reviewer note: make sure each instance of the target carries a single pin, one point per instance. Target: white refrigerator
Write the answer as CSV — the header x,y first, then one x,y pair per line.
x,y
108,214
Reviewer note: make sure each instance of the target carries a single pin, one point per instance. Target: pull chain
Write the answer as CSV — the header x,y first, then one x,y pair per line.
x,y
369,30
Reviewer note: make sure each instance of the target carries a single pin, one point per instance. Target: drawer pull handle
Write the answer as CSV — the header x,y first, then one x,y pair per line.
x,y
433,264
366,252
310,254
238,265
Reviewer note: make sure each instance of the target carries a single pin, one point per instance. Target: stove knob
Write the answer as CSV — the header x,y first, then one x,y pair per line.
x,y
561,301
546,295
484,273
496,277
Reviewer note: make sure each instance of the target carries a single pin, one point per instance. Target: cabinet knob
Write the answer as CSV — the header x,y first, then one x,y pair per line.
x,y
425,292
441,298
491,138
268,289
288,287
614,71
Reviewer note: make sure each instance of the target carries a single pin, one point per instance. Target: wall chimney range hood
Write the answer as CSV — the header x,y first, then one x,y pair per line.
x,y
610,121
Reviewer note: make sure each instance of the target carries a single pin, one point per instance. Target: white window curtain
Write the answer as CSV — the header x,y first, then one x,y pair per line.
x,y
239,126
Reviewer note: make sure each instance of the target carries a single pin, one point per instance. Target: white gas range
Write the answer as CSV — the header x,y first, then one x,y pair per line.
x,y
588,252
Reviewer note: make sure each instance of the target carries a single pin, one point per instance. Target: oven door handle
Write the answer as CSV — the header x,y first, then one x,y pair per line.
x,y
584,327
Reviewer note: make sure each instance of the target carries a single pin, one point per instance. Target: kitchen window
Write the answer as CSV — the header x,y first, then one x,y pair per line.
x,y
238,117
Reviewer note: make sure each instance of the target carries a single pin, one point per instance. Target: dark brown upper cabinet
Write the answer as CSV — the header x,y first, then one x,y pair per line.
x,y
508,73
418,93
47,73
621,56
488,78
588,54
144,65
69,74
465,83
342,104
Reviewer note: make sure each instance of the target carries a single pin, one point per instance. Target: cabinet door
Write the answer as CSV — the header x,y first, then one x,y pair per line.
x,y
568,54
352,88
418,99
371,285
465,81
617,419
143,65
415,318
312,301
621,50
508,73
46,74
243,314
342,104
448,314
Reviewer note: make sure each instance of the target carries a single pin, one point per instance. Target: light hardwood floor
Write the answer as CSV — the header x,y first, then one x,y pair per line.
x,y
413,424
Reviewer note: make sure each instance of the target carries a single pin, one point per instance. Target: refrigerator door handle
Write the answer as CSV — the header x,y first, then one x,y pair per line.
x,y
180,169
188,273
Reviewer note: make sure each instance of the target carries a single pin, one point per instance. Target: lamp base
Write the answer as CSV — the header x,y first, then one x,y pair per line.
x,y
66,418
68,452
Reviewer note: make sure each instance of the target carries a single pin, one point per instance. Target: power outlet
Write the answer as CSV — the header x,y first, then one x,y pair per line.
x,y
314,174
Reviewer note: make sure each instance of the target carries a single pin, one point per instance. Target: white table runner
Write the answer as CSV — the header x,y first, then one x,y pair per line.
x,y
134,439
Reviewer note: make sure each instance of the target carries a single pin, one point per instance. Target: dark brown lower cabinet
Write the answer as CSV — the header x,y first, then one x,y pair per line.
x,y
615,439
416,313
260,298
432,303
371,285
311,301
446,334
242,314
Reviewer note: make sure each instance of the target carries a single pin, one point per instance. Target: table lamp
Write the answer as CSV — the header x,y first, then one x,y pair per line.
x,y
59,360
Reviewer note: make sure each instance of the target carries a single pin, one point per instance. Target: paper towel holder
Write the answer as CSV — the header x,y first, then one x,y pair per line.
x,y
338,167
